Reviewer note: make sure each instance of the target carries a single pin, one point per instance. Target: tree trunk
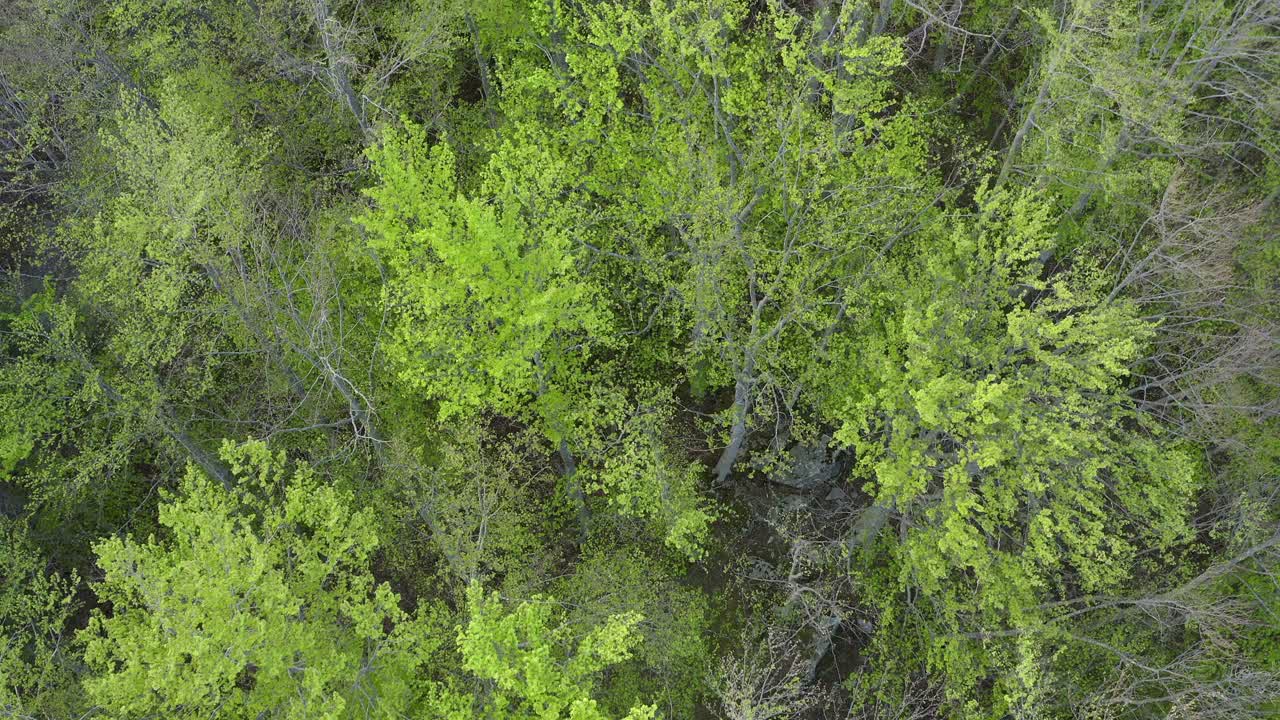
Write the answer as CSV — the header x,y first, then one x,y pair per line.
x,y
337,64
1021,136
573,486
738,430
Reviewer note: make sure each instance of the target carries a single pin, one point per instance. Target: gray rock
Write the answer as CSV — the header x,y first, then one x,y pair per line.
x,y
12,501
796,503
808,467
823,631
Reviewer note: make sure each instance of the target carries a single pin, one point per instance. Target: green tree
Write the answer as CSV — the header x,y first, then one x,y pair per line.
x,y
704,158
492,313
517,651
258,600
987,410
669,668
37,676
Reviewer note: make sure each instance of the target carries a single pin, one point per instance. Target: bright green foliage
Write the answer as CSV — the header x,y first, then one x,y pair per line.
x,y
491,313
148,257
928,344
30,383
690,165
987,406
36,678
627,456
701,168
258,600
58,435
517,651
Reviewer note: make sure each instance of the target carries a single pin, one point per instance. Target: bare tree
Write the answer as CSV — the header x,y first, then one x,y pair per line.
x,y
765,681
1214,328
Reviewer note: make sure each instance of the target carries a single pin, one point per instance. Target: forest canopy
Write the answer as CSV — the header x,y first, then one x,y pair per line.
x,y
639,359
